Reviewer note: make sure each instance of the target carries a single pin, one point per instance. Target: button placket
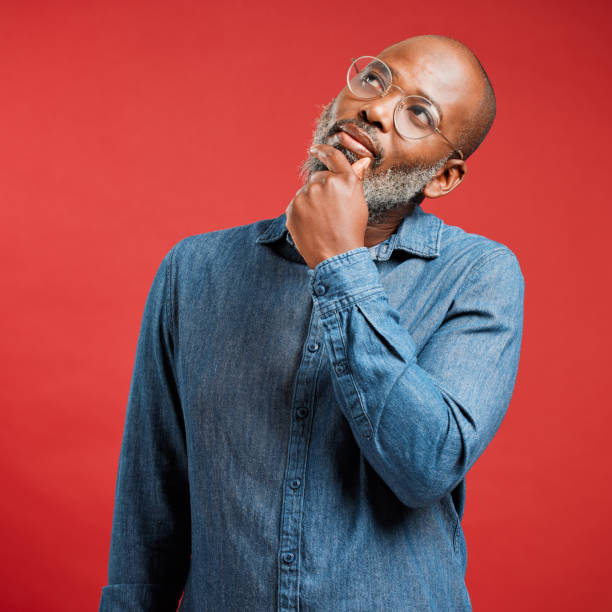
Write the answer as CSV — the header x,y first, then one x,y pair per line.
x,y
297,454
340,367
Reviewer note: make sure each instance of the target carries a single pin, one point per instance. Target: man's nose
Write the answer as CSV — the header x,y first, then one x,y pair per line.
x,y
379,111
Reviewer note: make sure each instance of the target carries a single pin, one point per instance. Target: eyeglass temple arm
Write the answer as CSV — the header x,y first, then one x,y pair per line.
x,y
455,149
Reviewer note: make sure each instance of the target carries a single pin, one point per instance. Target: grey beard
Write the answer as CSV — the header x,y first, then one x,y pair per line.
x,y
400,186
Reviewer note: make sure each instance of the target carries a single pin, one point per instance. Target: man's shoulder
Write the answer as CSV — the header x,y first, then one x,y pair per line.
x,y
471,255
217,244
457,242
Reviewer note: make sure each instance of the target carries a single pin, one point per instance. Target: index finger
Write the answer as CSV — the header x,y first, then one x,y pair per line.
x,y
334,160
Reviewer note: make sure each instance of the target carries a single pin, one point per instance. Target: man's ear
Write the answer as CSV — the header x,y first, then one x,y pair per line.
x,y
447,178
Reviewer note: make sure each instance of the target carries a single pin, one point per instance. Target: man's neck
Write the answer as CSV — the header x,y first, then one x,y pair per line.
x,y
377,232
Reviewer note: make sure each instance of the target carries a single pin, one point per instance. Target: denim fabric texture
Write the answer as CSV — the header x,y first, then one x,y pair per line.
x,y
299,439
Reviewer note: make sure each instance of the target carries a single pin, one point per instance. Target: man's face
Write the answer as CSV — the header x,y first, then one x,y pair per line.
x,y
384,190
400,168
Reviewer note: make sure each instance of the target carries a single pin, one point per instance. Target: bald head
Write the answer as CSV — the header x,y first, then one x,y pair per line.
x,y
457,70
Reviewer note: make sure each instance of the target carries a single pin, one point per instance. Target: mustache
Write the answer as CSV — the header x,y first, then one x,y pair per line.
x,y
365,127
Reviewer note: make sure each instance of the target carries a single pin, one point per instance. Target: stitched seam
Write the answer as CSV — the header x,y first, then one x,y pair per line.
x,y
367,298
350,373
349,300
347,255
484,259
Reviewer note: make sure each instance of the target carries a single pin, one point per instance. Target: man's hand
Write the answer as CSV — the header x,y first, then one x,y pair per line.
x,y
329,214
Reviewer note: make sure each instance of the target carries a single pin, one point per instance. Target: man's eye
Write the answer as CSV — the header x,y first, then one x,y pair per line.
x,y
420,115
371,79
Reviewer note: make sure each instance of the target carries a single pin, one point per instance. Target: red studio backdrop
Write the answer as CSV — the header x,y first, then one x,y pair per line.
x,y
127,126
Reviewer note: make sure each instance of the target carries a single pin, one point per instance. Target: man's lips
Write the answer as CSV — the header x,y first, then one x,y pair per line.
x,y
356,140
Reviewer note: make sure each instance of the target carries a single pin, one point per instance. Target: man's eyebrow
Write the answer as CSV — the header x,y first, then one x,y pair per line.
x,y
396,75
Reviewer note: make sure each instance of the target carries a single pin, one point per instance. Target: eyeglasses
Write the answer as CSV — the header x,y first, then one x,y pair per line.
x,y
414,117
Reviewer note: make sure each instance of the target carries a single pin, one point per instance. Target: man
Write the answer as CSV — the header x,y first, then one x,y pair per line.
x,y
309,392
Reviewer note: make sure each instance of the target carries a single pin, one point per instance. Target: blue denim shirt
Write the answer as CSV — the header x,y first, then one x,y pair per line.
x,y
299,439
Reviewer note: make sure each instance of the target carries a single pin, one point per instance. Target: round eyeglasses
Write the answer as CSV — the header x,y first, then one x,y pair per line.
x,y
414,117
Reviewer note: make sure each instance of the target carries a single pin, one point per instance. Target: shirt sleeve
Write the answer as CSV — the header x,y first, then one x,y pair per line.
x,y
150,540
421,421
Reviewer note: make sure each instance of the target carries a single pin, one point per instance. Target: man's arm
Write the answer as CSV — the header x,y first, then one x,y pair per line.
x,y
150,542
421,423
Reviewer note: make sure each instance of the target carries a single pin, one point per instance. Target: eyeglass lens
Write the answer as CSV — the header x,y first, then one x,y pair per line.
x,y
415,116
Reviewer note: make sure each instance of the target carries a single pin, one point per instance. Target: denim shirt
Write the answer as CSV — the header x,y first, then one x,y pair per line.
x,y
298,439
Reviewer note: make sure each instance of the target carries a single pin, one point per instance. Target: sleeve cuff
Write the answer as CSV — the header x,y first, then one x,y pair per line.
x,y
340,280
136,597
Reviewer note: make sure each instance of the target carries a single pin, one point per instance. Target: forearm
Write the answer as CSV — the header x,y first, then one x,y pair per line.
x,y
420,429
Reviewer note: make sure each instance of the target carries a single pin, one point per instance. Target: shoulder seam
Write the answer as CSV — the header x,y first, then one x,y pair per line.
x,y
486,258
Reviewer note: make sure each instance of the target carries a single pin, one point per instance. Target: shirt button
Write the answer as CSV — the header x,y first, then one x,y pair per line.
x,y
295,483
340,367
320,290
313,346
288,557
302,412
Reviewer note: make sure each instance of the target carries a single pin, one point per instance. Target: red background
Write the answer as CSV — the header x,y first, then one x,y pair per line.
x,y
127,126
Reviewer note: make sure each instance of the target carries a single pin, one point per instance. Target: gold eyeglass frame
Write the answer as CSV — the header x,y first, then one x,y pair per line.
x,y
386,91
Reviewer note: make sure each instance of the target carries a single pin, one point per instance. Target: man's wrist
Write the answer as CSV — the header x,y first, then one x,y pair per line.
x,y
313,262
343,278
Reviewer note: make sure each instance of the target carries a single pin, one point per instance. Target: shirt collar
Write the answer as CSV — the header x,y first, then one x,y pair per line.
x,y
419,233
